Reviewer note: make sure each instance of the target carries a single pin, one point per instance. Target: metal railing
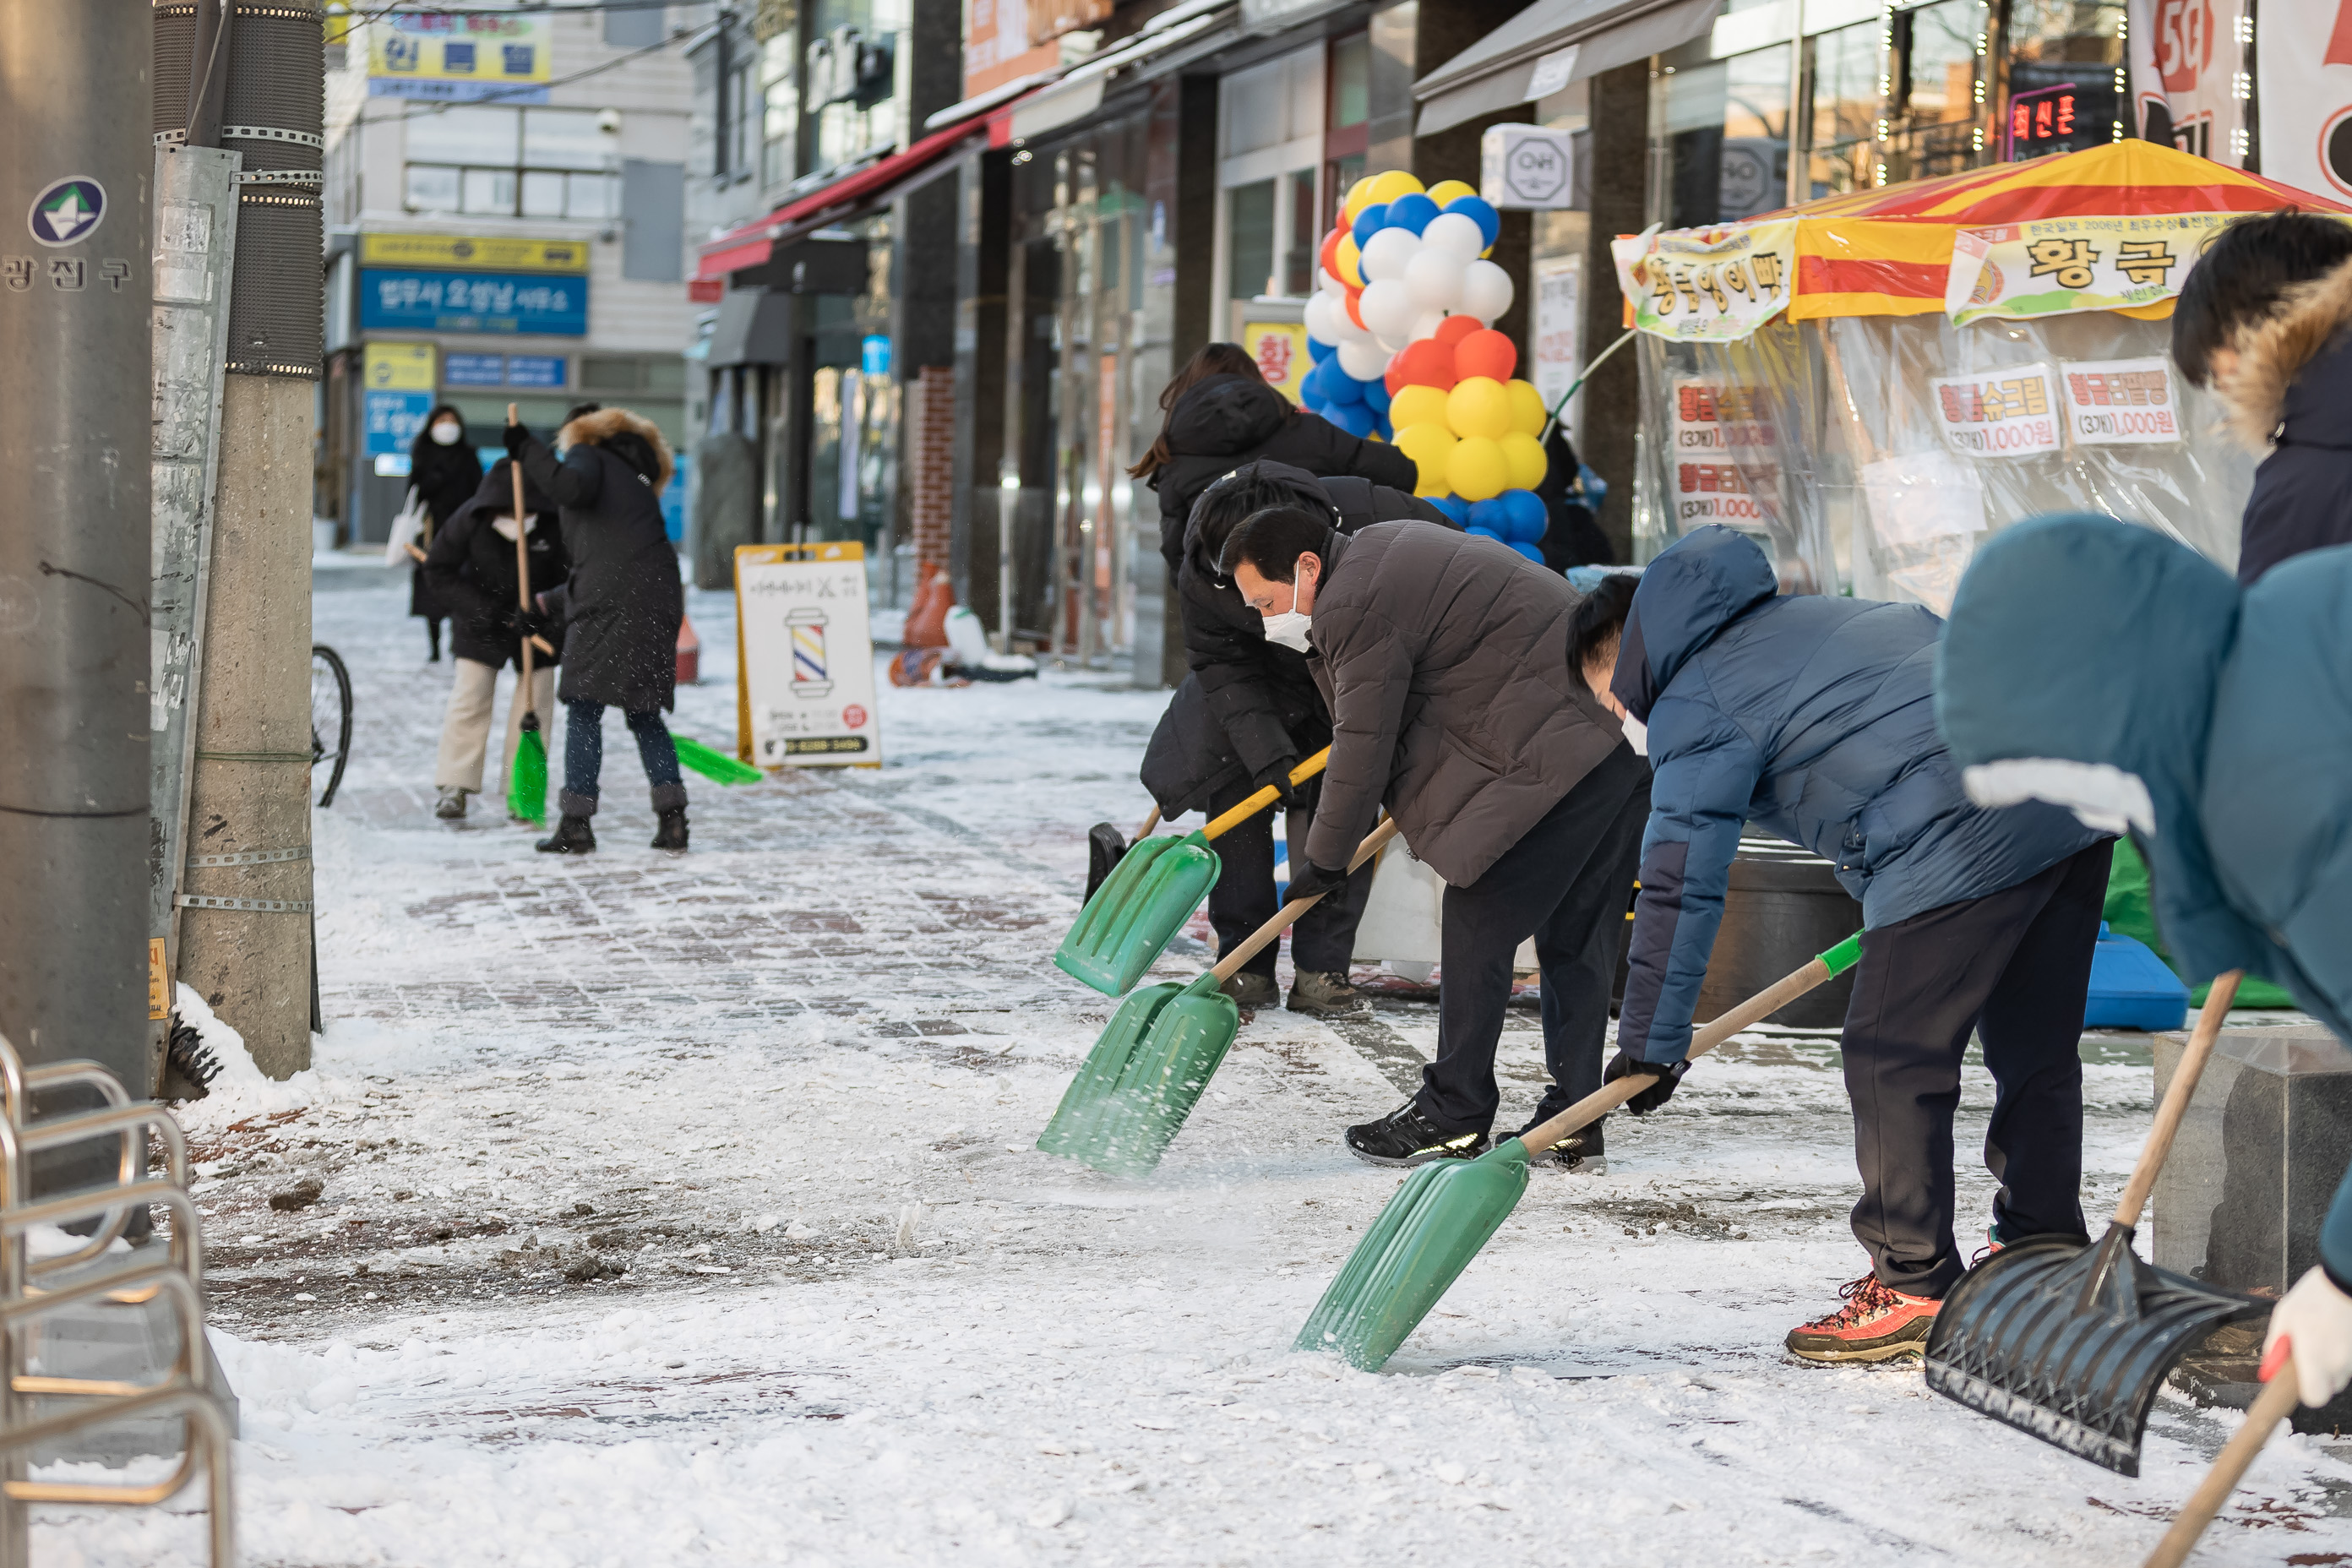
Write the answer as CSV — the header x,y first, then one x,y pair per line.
x,y
88,1277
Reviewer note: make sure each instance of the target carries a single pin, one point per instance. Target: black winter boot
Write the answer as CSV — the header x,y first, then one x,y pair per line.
x,y
671,835
572,835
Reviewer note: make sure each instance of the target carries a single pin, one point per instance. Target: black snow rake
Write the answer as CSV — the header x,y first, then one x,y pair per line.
x,y
2069,1341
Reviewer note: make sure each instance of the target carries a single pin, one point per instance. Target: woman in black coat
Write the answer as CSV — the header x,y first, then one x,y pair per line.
x,y
1220,413
621,609
471,573
444,470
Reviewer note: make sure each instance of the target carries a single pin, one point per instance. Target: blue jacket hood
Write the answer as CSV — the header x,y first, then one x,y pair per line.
x,y
1697,587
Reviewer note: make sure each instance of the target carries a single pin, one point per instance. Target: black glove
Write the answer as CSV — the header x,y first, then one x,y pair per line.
x,y
529,624
1276,775
1662,1077
1313,881
515,436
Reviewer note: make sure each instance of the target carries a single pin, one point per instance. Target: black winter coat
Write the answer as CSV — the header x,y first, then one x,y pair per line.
x,y
1229,420
2293,393
624,602
446,476
1248,702
471,570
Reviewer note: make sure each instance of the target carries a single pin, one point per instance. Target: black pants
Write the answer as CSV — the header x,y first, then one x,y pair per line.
x,y
1243,899
2014,967
1566,883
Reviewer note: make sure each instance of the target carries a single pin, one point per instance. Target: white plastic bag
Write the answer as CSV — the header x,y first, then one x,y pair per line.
x,y
407,528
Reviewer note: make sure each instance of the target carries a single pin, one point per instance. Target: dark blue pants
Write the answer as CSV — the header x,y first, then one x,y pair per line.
x,y
583,758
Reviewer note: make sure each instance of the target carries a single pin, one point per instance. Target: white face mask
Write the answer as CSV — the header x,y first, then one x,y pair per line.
x,y
1288,629
1637,735
446,432
506,526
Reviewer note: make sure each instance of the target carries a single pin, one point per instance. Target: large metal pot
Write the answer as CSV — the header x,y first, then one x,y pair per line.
x,y
1783,906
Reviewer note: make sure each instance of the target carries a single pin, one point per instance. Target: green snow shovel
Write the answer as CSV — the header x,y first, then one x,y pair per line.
x,y
2070,1341
1145,901
1165,1042
527,777
710,764
1445,1211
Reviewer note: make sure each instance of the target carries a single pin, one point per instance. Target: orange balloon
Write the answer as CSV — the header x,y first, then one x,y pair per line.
x,y
1355,297
1485,352
1453,329
1329,253
1428,363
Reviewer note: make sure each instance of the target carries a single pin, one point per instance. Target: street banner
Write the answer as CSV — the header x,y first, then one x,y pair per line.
x,y
2187,61
804,657
2053,267
1556,334
2009,412
1279,348
1710,285
396,394
459,57
2120,402
2303,56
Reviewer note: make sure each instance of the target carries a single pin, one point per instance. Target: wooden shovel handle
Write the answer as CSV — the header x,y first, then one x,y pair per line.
x,y
2274,1404
522,562
1151,821
1265,797
2176,1096
1231,965
1609,1096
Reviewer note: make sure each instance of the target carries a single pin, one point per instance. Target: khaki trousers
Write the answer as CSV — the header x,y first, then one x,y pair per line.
x,y
466,728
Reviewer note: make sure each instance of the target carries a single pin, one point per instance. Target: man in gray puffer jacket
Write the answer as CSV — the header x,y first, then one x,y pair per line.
x,y
1444,659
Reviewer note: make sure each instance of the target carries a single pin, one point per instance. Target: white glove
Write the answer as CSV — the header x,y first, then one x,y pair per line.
x,y
2314,1321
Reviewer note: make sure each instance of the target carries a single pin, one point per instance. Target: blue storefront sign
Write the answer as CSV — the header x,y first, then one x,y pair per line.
x,y
497,302
391,422
473,370
874,355
535,370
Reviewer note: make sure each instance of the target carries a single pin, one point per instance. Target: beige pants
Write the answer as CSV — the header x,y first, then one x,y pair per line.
x,y
465,729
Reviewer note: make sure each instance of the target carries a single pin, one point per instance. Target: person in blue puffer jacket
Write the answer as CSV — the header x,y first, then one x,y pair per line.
x,y
1813,718
2103,666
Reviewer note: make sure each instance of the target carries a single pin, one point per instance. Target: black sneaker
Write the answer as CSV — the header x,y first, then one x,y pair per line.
x,y
1405,1137
1584,1151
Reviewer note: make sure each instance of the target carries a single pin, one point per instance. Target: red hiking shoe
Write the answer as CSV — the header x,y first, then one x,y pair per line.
x,y
1876,1324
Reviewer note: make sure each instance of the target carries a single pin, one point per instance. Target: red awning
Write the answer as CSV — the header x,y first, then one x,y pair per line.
x,y
752,245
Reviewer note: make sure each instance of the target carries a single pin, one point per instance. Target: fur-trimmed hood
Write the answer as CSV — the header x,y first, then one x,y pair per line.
x,y
601,427
2272,388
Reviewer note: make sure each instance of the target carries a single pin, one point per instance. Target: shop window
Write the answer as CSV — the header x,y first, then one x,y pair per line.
x,y
1727,126
2064,58
489,191
1305,235
506,163
1350,92
1935,117
1846,66
1249,239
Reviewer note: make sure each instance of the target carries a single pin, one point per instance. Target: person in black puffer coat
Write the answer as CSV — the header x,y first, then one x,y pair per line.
x,y
470,571
1245,716
621,609
1222,415
442,469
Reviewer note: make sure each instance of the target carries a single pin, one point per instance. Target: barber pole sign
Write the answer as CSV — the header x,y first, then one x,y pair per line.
x,y
805,653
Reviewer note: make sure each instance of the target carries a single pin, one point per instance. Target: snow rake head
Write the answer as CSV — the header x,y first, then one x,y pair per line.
x,y
2070,1342
1143,1076
1138,911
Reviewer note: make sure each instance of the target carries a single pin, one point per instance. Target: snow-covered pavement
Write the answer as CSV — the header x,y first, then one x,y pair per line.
x,y
685,1210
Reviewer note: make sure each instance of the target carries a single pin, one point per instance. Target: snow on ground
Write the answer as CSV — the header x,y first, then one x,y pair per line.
x,y
685,1210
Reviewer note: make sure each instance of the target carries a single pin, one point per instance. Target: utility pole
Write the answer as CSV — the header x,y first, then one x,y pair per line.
x,y
74,514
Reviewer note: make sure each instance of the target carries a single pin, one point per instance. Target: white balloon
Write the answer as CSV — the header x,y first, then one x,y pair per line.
x,y
1364,361
1486,289
1343,326
1455,234
1434,277
1386,253
1329,282
1427,326
1319,320
1389,309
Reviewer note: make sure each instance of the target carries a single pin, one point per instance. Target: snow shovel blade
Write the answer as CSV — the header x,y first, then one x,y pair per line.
x,y
714,764
527,780
1106,848
1143,1076
1432,1228
1138,911
2070,1343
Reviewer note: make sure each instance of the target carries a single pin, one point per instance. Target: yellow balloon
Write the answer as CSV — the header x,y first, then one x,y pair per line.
x,y
1477,470
1359,197
1345,255
1430,448
1395,183
1478,406
1528,410
1417,405
1447,191
1523,460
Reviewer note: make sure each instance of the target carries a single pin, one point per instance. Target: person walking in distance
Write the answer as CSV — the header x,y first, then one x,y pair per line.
x,y
444,470
471,570
621,607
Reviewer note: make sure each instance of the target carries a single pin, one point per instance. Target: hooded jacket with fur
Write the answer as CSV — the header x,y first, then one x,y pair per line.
x,y
2292,394
624,602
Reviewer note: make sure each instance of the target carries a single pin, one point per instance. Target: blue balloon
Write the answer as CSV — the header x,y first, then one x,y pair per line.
x,y
1486,534
1310,385
1341,387
1478,210
1527,518
1369,221
1454,507
1319,350
1353,417
1411,213
1490,514
1529,550
1376,397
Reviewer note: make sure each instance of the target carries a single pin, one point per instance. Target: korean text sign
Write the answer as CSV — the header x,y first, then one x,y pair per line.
x,y
2054,266
523,303
807,653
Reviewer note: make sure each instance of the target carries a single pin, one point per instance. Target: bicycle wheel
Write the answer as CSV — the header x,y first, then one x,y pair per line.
x,y
330,718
